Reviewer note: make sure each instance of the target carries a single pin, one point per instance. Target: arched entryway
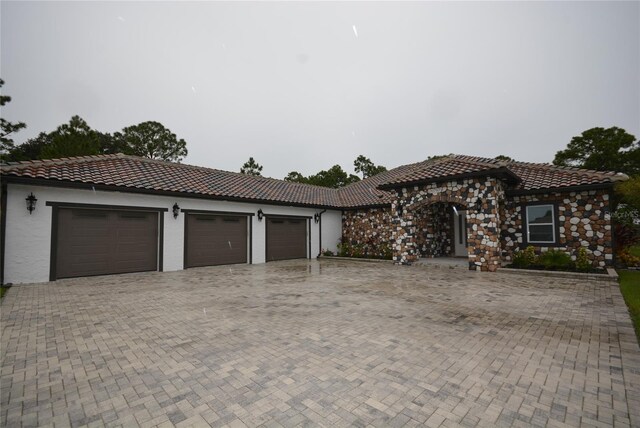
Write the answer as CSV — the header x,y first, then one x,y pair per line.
x,y
441,229
427,218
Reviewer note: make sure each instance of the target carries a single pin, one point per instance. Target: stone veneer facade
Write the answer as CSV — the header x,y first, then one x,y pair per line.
x,y
419,222
583,220
482,219
434,230
369,226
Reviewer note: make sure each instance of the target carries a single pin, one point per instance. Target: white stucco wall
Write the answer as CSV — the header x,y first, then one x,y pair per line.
x,y
28,237
331,230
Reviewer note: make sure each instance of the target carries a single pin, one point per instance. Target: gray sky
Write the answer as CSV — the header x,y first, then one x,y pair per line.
x,y
303,86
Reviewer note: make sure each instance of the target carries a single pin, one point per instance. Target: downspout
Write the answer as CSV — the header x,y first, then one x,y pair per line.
x,y
320,231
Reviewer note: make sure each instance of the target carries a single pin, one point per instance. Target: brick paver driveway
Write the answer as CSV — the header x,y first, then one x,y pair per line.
x,y
308,342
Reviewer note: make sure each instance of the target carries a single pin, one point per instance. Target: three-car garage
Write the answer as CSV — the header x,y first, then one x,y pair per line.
x,y
114,214
100,240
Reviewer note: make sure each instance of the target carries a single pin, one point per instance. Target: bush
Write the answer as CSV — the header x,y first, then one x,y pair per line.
x,y
524,258
555,259
327,253
365,250
626,258
582,263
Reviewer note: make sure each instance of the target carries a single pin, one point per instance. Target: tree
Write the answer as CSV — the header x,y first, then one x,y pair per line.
x,y
251,167
295,177
366,167
151,140
334,177
75,138
627,201
7,128
504,158
30,149
611,149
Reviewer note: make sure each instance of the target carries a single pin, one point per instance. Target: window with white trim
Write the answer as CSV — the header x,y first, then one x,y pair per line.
x,y
541,226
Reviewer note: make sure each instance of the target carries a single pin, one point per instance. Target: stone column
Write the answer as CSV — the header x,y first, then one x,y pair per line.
x,y
483,227
404,245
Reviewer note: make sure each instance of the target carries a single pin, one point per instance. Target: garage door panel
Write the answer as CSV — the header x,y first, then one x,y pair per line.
x,y
100,242
215,240
286,238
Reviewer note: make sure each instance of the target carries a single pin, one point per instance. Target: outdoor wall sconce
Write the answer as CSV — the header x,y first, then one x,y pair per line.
x,y
31,203
176,210
260,215
316,217
479,204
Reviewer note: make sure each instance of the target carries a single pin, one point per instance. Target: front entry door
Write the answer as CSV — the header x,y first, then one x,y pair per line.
x,y
460,233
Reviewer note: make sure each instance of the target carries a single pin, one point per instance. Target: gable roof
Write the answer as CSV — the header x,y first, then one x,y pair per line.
x,y
136,174
544,176
448,168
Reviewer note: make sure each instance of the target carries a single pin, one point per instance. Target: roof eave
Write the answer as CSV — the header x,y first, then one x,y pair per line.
x,y
138,190
366,206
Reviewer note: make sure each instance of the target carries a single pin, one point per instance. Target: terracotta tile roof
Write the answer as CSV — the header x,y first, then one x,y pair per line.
x,y
537,176
146,174
449,166
522,175
367,193
157,176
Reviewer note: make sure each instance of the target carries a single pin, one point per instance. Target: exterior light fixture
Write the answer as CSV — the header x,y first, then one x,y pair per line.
x,y
316,217
31,203
260,215
176,210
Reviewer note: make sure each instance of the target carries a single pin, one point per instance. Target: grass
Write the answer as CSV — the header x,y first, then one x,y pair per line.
x,y
630,288
2,291
635,250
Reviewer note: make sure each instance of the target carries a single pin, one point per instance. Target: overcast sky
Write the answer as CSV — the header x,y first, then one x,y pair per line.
x,y
303,86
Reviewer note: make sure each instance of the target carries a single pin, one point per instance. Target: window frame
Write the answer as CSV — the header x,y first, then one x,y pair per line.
x,y
555,226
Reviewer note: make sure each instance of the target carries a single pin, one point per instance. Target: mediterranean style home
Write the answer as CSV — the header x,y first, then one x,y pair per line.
x,y
109,214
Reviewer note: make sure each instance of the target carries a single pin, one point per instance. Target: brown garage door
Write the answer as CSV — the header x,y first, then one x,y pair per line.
x,y
100,242
286,238
215,240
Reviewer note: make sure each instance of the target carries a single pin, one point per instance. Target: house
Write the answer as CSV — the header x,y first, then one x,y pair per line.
x,y
106,214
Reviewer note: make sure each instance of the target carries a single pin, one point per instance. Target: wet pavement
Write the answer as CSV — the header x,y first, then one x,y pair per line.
x,y
318,343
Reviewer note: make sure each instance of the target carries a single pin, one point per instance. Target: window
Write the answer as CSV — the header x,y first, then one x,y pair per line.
x,y
541,226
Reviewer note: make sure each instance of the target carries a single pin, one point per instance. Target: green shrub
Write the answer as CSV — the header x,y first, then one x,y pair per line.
x,y
583,264
327,253
386,252
524,258
344,249
555,259
628,259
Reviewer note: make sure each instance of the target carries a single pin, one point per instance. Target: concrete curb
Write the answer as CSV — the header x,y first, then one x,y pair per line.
x,y
610,276
354,259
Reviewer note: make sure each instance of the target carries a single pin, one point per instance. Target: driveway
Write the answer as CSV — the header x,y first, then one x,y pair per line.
x,y
318,343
